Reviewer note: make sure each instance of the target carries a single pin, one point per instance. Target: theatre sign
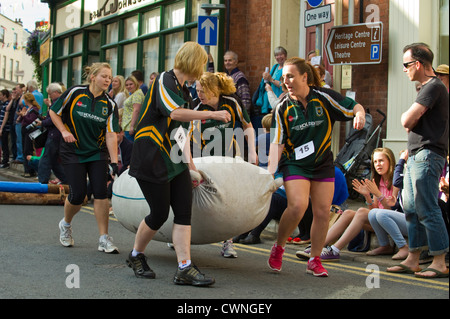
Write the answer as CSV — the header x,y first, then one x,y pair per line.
x,y
355,44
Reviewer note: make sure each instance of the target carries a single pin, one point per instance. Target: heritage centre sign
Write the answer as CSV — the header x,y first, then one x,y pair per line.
x,y
355,44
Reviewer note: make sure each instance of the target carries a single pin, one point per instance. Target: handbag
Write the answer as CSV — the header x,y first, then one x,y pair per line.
x,y
39,137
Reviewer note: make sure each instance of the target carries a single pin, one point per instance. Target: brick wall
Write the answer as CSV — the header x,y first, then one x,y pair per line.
x,y
250,36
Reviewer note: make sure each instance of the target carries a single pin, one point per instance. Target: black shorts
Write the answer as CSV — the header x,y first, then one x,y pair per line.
x,y
176,194
77,174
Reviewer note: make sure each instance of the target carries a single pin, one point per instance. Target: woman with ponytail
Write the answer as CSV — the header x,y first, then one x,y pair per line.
x,y
301,150
88,120
216,91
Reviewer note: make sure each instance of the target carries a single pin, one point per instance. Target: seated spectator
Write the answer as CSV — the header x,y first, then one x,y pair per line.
x,y
351,223
389,222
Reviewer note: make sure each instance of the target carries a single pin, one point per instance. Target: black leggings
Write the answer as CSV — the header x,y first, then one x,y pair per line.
x,y
76,175
160,197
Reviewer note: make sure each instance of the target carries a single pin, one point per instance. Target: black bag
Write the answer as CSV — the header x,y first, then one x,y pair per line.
x,y
39,137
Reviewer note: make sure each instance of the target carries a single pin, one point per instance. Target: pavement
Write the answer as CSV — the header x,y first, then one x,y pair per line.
x,y
14,172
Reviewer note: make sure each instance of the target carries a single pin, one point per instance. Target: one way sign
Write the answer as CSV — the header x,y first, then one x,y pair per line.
x,y
207,30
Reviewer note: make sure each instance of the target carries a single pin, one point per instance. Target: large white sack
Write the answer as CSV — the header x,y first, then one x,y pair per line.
x,y
234,198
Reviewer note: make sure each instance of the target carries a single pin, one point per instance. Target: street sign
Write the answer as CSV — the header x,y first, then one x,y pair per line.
x,y
207,30
355,44
319,15
314,3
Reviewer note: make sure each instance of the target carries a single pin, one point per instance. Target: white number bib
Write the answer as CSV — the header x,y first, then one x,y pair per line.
x,y
304,150
180,137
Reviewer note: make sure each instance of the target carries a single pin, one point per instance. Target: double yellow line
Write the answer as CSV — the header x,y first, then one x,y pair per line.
x,y
361,271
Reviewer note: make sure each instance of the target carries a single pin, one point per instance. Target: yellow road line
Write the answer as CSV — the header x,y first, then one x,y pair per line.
x,y
399,278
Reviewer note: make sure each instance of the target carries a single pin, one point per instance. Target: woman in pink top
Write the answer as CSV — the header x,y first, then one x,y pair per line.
x,y
378,193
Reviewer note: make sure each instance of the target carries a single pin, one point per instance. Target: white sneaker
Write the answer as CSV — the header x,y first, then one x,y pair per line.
x,y
228,250
65,234
105,244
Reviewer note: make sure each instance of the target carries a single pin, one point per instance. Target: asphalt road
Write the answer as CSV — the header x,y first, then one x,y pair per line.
x,y
35,265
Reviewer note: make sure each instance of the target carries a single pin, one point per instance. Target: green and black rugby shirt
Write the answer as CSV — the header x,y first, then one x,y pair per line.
x,y
205,132
156,156
88,119
306,132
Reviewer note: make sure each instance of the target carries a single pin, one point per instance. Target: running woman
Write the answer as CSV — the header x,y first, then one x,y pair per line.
x,y
301,150
88,120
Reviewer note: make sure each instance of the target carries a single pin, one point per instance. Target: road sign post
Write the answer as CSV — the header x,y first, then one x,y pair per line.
x,y
355,44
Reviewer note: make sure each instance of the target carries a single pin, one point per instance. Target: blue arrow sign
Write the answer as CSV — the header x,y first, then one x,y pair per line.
x,y
314,3
207,30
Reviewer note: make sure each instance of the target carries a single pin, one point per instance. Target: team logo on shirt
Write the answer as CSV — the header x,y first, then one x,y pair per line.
x,y
319,111
105,111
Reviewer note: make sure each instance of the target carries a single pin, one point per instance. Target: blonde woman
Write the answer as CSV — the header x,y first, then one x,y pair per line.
x,y
166,183
132,107
88,121
118,91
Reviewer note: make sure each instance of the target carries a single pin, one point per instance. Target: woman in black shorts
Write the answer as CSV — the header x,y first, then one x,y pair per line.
x,y
161,172
88,121
301,150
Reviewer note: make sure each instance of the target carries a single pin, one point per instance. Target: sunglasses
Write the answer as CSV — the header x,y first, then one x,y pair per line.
x,y
406,64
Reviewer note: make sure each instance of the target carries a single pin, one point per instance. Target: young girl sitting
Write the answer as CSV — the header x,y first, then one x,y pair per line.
x,y
378,193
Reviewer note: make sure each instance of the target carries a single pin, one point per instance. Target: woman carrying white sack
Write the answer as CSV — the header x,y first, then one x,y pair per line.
x,y
165,182
301,150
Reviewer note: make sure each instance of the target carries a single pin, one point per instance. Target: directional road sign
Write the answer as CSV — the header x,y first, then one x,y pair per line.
x,y
207,30
355,44
314,3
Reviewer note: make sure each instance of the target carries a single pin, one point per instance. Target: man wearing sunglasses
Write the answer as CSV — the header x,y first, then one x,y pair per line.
x,y
426,122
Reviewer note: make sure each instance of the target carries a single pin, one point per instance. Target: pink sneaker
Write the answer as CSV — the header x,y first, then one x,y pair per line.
x,y
276,258
315,268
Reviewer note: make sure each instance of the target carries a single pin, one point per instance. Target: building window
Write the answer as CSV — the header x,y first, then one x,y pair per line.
x,y
129,59
151,49
17,70
152,21
4,67
11,69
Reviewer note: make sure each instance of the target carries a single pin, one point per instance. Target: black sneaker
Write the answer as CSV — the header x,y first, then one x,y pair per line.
x,y
140,266
6,165
191,275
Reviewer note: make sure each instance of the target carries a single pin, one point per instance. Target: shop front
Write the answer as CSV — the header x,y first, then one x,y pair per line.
x,y
128,34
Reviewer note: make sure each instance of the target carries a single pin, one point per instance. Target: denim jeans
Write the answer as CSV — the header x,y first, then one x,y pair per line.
x,y
389,222
426,227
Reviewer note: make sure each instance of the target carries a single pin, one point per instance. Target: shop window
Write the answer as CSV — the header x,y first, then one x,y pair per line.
x,y
151,21
131,27
77,43
77,70
111,58
65,72
65,46
174,41
112,33
129,59
151,49
174,15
